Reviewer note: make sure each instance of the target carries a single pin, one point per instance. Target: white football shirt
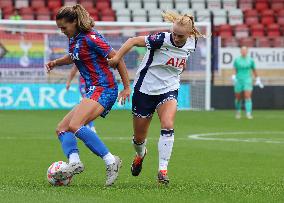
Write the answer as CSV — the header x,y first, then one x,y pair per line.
x,y
160,69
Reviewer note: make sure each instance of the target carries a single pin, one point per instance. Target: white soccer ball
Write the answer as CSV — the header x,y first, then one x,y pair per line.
x,y
52,169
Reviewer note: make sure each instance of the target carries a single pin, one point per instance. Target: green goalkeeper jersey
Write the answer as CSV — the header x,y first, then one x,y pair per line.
x,y
244,67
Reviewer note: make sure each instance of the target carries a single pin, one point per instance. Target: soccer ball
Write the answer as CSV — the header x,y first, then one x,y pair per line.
x,y
53,168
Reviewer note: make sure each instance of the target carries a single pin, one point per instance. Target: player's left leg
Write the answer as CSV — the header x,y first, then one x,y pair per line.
x,y
99,102
248,104
82,88
238,88
247,96
69,145
166,112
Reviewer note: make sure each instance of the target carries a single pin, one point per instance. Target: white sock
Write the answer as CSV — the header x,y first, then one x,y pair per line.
x,y
139,147
109,159
165,146
74,158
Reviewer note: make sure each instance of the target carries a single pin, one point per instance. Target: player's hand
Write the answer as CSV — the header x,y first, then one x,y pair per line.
x,y
124,95
113,62
234,79
258,82
50,65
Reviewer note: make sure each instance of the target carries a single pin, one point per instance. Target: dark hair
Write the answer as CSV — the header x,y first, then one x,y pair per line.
x,y
71,13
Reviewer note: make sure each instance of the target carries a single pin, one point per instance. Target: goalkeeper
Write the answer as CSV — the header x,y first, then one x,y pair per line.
x,y
242,78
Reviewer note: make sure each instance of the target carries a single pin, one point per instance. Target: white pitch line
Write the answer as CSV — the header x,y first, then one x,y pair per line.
x,y
200,136
203,136
103,138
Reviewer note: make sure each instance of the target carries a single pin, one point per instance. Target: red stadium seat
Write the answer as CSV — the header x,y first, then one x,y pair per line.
x,y
6,3
263,42
107,12
27,16
42,11
229,42
277,5
241,31
37,4
280,17
248,42
26,10
43,17
225,30
277,42
92,11
246,4
107,18
87,4
261,5
267,17
257,30
273,30
251,17
102,5
54,4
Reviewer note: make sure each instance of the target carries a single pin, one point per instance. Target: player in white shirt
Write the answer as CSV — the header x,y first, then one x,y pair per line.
x,y
157,83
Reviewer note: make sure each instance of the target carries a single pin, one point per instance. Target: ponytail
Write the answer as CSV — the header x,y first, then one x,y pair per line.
x,y
185,20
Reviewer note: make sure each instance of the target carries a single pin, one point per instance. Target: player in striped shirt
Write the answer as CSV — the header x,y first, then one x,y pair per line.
x,y
89,51
156,85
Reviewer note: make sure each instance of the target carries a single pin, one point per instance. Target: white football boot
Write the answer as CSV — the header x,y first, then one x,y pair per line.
x,y
112,171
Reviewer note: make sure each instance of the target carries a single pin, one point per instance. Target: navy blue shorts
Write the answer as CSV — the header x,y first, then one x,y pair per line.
x,y
144,105
105,96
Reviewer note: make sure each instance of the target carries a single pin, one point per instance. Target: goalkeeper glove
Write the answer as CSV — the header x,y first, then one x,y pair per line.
x,y
234,79
258,82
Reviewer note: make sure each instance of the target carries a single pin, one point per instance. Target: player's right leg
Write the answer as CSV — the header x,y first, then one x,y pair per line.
x,y
141,126
69,145
238,99
238,105
143,107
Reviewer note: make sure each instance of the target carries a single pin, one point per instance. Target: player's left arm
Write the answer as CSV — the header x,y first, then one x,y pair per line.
x,y
121,67
126,47
258,81
70,77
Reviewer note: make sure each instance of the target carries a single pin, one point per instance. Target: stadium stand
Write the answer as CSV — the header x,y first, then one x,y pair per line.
x,y
236,19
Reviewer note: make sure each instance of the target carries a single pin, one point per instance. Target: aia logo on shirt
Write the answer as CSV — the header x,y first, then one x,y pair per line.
x,y
176,62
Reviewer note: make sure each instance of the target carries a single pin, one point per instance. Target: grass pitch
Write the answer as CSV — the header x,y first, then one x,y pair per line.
x,y
216,158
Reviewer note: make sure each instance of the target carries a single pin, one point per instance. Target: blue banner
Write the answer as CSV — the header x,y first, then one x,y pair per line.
x,y
55,96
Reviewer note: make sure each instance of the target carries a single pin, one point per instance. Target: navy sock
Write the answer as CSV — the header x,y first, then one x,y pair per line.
x,y
92,141
68,143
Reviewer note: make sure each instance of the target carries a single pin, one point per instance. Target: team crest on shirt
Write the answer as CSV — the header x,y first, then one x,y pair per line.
x,y
93,36
155,36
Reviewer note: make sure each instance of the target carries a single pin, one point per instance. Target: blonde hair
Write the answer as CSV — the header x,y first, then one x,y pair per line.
x,y
185,20
85,22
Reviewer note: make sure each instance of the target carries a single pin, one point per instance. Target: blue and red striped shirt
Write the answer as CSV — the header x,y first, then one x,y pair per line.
x,y
89,51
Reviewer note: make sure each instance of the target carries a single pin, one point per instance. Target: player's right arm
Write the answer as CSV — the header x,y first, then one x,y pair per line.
x,y
65,60
234,79
126,47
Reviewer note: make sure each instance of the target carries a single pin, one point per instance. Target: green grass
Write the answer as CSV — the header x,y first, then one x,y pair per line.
x,y
200,170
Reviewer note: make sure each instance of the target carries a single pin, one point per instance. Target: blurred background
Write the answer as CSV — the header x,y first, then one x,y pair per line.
x,y
25,46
